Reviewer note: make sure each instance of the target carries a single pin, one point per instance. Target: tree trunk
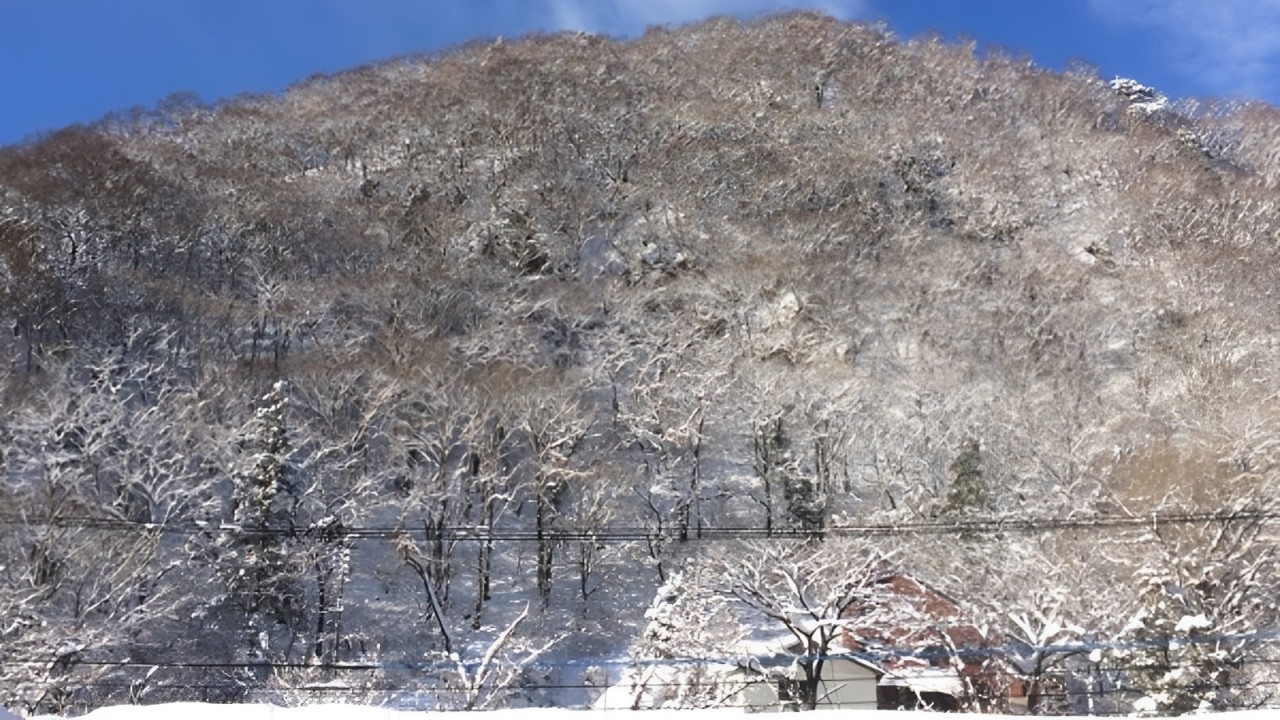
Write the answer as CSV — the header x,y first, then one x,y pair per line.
x,y
545,549
484,558
695,479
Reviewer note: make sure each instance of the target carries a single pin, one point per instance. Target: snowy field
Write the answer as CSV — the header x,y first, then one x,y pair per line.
x,y
204,711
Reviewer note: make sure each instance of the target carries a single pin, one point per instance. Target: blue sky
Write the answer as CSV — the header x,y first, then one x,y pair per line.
x,y
69,61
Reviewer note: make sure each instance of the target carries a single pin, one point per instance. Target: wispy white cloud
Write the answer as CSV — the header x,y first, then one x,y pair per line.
x,y
631,17
1230,46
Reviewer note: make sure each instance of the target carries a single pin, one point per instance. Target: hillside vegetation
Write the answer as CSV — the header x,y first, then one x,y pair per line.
x,y
377,370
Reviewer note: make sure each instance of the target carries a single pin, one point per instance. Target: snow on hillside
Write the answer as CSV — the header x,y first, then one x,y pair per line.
x,y
430,374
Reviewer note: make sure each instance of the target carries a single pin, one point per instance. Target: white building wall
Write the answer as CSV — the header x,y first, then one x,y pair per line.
x,y
846,685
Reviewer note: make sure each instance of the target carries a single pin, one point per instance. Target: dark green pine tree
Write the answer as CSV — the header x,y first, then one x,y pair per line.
x,y
968,492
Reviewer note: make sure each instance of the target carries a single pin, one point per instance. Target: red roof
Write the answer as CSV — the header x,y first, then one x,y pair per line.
x,y
904,617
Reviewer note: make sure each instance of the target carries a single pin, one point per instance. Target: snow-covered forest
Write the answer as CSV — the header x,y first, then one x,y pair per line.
x,y
506,376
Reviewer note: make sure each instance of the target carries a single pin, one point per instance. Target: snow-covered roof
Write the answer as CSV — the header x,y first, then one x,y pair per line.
x,y
783,649
777,644
926,679
904,614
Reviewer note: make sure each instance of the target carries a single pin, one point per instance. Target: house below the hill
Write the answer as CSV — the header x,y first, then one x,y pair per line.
x,y
906,646
931,654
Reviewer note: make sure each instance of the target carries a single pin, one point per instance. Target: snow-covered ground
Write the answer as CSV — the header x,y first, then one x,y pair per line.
x,y
204,711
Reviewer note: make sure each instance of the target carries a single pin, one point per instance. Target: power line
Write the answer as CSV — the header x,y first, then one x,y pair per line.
x,y
480,533
879,655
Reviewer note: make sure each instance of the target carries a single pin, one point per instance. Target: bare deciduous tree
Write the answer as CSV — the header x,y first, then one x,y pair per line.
x,y
808,594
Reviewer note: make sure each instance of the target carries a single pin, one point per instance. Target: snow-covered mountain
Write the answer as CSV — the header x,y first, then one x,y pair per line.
x,y
415,383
